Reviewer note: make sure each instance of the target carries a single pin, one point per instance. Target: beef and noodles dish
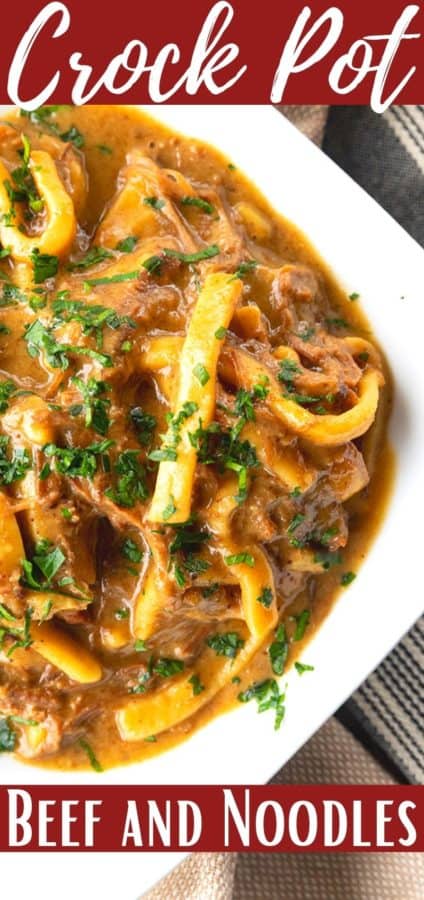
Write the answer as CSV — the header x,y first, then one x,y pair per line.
x,y
191,414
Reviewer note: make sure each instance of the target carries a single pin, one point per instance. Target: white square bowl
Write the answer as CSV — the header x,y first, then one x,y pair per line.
x,y
373,255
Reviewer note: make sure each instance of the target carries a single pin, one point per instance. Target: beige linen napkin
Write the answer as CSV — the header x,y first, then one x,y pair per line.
x,y
333,755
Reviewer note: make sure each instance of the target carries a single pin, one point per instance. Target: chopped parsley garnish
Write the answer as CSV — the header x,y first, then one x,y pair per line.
x,y
328,558
92,318
39,572
78,462
206,253
199,202
15,467
66,513
22,635
88,750
23,188
187,538
296,492
196,684
7,389
73,136
122,613
306,333
265,597
267,695
278,651
354,296
220,333
153,264
107,151
288,370
131,483
7,736
226,644
140,646
154,202
245,268
131,551
201,374
223,448
126,245
94,256
302,622
39,340
195,565
168,452
44,266
112,279
238,558
347,578
10,295
96,405
244,401
169,510
5,614
166,668
295,522
303,667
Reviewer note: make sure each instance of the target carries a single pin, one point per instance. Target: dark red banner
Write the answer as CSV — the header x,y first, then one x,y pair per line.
x,y
244,51
288,818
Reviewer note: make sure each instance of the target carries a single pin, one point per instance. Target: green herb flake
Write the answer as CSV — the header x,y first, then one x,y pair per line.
x,y
7,736
303,667
265,597
169,510
199,203
122,613
267,696
220,333
131,551
144,424
44,266
201,374
140,646
354,296
13,467
190,258
88,750
154,202
302,622
167,668
245,268
94,256
112,279
196,684
73,136
347,578
127,244
278,651
226,644
240,559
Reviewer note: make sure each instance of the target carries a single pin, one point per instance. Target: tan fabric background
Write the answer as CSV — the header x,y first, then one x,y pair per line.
x,y
333,756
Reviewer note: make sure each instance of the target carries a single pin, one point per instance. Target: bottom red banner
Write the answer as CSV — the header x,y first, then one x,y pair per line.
x,y
292,818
